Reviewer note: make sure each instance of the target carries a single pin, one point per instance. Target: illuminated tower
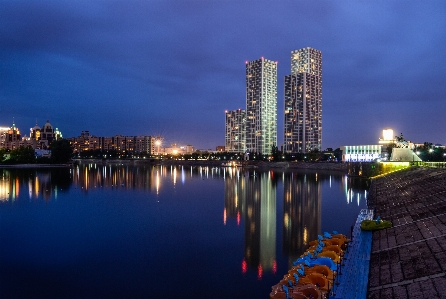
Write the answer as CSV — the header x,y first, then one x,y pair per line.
x,y
235,131
303,102
261,105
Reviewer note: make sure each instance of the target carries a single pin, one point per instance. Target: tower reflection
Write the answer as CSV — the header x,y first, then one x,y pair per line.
x,y
254,196
301,212
260,222
250,199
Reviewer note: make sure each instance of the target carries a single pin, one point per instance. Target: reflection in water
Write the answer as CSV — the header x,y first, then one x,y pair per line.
x,y
260,222
44,183
355,189
253,195
250,199
301,212
4,188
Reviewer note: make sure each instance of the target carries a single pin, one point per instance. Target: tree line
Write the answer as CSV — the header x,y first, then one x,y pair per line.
x,y
61,152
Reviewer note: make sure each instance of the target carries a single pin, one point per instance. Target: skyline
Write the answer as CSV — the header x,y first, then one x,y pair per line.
x,y
172,68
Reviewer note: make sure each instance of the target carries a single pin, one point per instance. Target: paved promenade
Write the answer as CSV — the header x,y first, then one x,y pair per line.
x,y
409,259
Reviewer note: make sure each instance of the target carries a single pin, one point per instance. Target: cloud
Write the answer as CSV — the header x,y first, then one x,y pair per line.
x,y
115,67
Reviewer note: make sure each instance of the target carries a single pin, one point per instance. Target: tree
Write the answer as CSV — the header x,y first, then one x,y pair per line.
x,y
400,138
2,155
275,153
389,149
22,155
61,151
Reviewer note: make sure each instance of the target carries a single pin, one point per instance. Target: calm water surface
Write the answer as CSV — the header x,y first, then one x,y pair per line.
x,y
120,231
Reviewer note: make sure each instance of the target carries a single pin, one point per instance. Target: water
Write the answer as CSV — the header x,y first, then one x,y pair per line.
x,y
122,231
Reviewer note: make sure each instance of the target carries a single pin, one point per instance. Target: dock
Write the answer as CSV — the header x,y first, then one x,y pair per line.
x,y
408,260
351,281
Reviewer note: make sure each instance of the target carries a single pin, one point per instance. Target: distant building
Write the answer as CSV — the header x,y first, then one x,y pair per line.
x,y
41,138
41,153
144,144
10,137
387,137
303,102
47,132
175,149
119,143
261,105
360,153
235,131
404,155
220,148
85,142
3,134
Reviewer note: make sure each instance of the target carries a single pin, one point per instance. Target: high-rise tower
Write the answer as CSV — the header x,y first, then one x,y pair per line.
x,y
303,102
235,131
261,105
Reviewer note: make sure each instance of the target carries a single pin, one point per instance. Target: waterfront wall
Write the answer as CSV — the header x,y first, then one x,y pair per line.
x,y
263,165
408,260
373,169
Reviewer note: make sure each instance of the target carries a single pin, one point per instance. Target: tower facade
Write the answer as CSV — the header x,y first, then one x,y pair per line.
x,y
303,102
235,131
261,105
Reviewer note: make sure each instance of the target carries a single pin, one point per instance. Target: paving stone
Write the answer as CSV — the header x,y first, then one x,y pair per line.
x,y
440,284
434,246
374,294
399,292
386,293
415,247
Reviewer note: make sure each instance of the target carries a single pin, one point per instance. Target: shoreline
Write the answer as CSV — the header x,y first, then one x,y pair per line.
x,y
408,259
260,165
34,166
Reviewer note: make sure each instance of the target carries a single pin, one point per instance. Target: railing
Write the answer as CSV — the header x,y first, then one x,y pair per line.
x,y
373,169
430,164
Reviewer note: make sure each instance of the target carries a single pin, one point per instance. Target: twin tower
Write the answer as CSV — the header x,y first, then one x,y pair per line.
x,y
255,129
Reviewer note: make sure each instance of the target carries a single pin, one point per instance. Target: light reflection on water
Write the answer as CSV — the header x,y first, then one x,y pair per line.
x,y
277,213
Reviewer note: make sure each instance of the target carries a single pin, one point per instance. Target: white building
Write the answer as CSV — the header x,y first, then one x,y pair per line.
x,y
303,102
361,153
235,131
261,105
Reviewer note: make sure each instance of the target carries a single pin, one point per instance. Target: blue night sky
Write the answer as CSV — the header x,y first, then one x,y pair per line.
x,y
172,68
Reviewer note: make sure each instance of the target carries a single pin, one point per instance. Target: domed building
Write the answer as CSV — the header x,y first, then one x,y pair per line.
x,y
34,132
57,134
47,132
10,137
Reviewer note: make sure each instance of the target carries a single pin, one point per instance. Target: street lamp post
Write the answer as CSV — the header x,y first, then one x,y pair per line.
x,y
158,144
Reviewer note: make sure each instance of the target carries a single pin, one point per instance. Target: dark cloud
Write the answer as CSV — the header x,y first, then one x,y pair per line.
x,y
173,67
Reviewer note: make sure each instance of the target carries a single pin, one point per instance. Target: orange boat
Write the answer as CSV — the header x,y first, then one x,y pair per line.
x,y
297,292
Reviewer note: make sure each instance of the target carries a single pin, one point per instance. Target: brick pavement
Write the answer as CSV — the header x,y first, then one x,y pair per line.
x,y
409,259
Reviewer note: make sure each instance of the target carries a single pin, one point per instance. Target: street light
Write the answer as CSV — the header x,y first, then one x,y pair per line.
x,y
158,144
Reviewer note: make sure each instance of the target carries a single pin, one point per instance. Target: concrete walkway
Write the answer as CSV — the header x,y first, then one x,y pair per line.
x,y
409,259
351,281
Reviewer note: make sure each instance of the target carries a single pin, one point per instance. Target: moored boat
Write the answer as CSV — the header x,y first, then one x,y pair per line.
x,y
314,272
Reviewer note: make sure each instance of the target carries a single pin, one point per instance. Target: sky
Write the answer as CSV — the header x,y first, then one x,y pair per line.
x,y
172,68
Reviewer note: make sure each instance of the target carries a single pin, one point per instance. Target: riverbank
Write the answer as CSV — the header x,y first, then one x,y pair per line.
x,y
35,165
408,260
261,165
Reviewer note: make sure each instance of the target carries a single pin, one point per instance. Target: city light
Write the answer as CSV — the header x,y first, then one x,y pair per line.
x,y
387,134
